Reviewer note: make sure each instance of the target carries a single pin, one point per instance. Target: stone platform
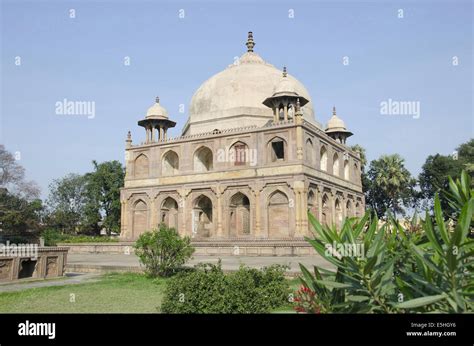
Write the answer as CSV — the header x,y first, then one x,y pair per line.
x,y
228,247
107,263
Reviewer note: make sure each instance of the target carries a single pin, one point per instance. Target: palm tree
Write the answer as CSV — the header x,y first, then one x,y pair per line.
x,y
391,183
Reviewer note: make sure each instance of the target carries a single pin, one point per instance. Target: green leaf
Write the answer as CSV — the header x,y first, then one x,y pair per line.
x,y
357,299
369,265
420,255
439,220
333,284
321,249
430,234
454,189
417,302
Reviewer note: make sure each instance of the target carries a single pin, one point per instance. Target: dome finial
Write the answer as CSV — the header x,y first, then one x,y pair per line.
x,y
333,110
157,99
250,42
284,71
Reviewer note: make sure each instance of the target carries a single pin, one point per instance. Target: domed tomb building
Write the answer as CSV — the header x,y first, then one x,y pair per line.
x,y
251,161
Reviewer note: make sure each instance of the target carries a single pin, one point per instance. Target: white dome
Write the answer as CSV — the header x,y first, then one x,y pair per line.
x,y
233,97
336,123
157,110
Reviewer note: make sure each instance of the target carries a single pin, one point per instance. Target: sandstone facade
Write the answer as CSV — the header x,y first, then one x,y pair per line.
x,y
241,173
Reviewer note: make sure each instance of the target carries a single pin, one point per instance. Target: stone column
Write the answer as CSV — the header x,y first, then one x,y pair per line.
x,y
258,230
153,213
183,193
304,212
219,212
299,138
124,220
298,187
285,111
299,213
344,207
333,208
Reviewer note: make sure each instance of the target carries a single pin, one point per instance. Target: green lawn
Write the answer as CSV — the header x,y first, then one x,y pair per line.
x,y
119,293
127,293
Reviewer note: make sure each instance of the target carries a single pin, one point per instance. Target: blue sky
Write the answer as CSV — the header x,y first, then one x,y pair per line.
x,y
82,59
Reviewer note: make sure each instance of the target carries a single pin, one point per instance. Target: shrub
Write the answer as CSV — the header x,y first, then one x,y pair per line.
x,y
88,239
207,289
163,251
52,237
399,270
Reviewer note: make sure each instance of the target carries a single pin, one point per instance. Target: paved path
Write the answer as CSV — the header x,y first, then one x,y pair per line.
x,y
228,262
69,279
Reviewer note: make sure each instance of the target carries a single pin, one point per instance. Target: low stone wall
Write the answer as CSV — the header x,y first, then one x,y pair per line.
x,y
210,248
21,263
112,247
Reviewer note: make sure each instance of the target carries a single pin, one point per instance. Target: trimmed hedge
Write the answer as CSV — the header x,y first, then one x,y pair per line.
x,y
52,237
207,289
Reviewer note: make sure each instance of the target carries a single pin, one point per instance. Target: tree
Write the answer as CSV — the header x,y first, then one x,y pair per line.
x,y
437,168
67,204
12,177
391,186
20,208
18,214
103,188
466,157
434,177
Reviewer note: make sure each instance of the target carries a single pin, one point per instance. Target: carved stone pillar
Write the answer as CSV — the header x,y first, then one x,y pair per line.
x,y
219,212
183,205
304,212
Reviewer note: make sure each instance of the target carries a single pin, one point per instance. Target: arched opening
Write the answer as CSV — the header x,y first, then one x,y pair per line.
x,y
356,174
239,154
358,210
309,152
291,111
349,209
281,113
141,166
323,158
170,163
278,215
312,207
335,164
339,215
203,160
239,215
277,149
140,218
326,212
169,213
203,225
346,170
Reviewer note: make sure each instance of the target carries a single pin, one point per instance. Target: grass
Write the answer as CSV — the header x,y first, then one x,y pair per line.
x,y
114,293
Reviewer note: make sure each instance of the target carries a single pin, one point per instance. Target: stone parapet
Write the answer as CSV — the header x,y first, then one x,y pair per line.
x,y
227,247
37,262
